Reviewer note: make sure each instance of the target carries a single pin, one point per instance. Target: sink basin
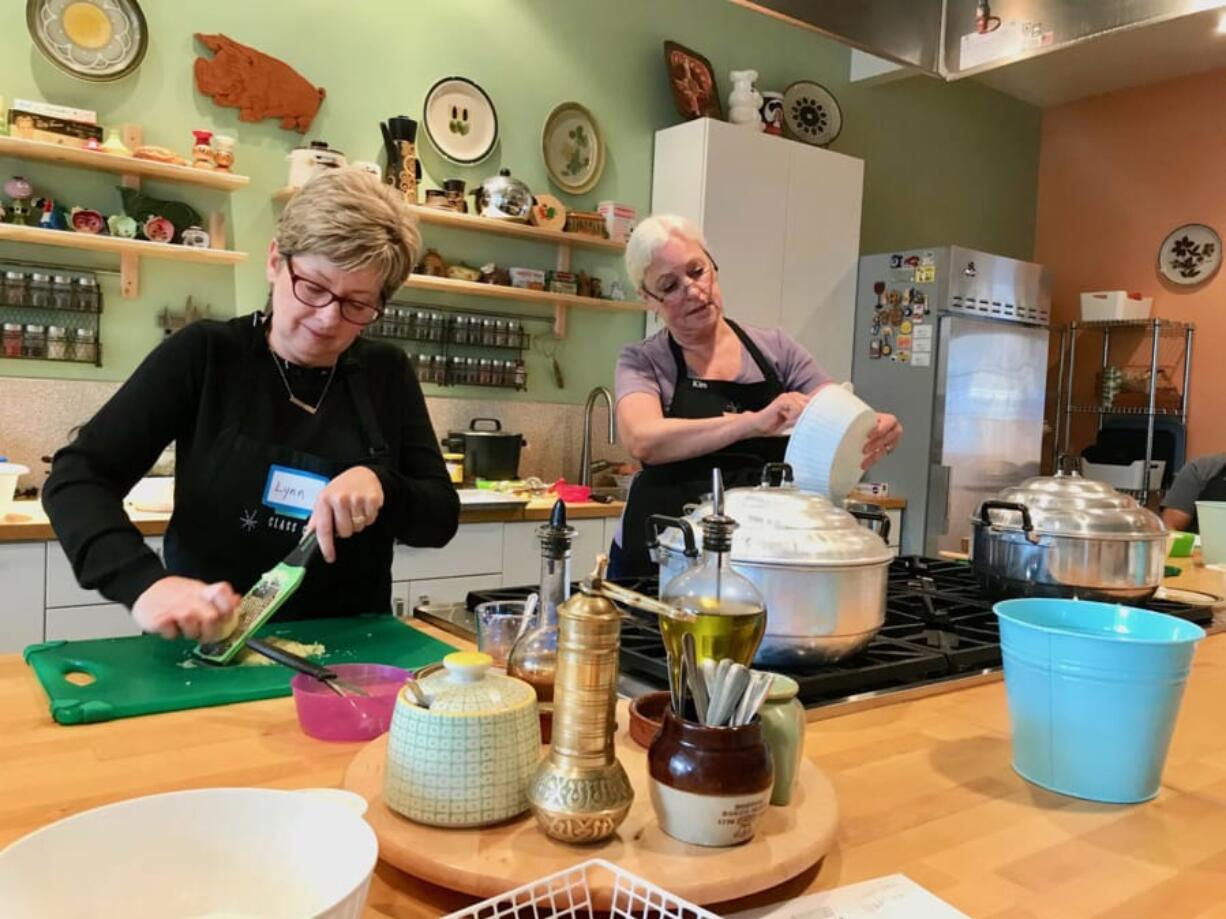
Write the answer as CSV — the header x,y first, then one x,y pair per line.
x,y
611,491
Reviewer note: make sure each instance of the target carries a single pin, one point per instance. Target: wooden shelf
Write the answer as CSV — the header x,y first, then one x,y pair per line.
x,y
66,239
442,218
41,151
518,294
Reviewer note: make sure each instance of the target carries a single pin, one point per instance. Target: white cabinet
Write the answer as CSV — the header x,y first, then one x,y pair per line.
x,y
476,549
99,620
521,550
62,586
408,594
782,220
22,565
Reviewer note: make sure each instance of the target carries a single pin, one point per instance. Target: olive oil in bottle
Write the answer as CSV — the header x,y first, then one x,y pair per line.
x,y
729,613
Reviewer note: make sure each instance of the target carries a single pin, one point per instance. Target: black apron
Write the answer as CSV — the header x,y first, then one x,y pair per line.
x,y
221,530
1214,490
668,487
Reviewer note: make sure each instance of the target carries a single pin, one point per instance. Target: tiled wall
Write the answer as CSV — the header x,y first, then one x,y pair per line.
x,y
36,416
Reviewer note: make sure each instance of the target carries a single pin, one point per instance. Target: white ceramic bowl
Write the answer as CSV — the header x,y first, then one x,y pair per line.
x,y
827,443
237,853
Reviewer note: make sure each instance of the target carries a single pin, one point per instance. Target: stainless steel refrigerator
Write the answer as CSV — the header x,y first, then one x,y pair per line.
x,y
954,342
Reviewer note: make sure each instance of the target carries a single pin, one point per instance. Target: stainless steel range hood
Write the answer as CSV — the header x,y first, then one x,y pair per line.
x,y
1044,51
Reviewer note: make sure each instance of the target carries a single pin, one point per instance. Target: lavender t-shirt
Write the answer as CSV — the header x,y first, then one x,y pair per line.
x,y
648,365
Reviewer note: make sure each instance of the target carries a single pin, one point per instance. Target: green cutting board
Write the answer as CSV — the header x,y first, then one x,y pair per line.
x,y
145,675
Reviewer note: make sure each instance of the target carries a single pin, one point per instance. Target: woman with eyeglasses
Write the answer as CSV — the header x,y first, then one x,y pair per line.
x,y
283,420
704,391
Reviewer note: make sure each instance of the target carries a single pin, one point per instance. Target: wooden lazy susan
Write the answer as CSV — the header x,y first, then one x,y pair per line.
x,y
487,861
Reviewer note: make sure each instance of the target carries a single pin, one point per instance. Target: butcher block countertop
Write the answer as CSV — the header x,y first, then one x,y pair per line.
x,y
26,522
924,786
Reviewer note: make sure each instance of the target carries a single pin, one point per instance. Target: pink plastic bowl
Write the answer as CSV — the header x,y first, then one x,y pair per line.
x,y
572,494
324,714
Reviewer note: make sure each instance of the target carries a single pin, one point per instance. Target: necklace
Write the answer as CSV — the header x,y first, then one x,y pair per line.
x,y
294,400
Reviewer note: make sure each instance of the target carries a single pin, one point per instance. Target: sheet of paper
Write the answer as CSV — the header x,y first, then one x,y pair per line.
x,y
921,359
922,332
895,896
1007,41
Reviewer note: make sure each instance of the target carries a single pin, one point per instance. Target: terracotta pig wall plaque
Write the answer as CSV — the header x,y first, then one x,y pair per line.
x,y
257,85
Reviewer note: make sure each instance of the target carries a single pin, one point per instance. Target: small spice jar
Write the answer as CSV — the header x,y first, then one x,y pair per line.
x,y
458,371
40,289
521,375
34,342
500,333
514,334
16,288
12,339
783,727
61,292
87,296
57,343
86,345
472,371
459,330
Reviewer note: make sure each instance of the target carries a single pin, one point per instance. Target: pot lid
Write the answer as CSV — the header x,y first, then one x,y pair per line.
x,y
463,688
1067,504
782,525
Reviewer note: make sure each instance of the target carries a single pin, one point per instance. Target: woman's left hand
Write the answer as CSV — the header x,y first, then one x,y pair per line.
x,y
347,505
883,439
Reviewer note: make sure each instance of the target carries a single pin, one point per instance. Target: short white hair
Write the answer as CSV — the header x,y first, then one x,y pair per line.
x,y
650,235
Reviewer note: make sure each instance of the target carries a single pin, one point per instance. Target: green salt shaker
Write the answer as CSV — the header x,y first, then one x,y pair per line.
x,y
783,728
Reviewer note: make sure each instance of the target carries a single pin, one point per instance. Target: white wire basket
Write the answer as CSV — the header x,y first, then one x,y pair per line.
x,y
568,893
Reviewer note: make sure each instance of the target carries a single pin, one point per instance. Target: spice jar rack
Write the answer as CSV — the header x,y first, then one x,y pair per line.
x,y
448,332
49,315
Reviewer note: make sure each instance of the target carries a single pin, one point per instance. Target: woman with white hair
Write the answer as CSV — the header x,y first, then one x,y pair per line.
x,y
283,421
703,392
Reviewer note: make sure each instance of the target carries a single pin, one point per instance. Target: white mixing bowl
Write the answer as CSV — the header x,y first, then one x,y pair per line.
x,y
216,853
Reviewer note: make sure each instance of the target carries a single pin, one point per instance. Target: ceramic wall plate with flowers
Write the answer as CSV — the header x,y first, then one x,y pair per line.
x,y
460,120
811,113
573,148
1190,255
96,40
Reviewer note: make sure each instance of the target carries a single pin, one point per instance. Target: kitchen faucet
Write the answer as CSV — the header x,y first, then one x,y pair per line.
x,y
585,457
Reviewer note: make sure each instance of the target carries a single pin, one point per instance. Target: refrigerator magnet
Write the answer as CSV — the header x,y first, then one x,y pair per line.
x,y
905,328
874,349
904,357
896,260
925,274
904,342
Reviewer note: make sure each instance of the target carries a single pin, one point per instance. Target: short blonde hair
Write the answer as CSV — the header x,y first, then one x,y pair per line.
x,y
650,235
354,221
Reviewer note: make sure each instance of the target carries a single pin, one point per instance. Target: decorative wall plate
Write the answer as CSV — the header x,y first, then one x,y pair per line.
x,y
811,113
96,40
1190,255
573,148
692,81
460,120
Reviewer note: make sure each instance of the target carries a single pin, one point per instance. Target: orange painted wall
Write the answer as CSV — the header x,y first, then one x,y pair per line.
x,y
1118,172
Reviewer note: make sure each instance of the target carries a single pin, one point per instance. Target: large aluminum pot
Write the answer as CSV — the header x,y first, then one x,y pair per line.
x,y
822,574
1067,536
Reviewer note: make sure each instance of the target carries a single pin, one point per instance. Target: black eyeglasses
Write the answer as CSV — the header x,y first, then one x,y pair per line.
x,y
673,289
316,296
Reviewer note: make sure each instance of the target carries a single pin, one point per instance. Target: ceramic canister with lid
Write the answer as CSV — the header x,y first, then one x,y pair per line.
x,y
467,759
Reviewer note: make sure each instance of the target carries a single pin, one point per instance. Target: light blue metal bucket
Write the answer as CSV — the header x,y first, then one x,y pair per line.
x,y
1094,689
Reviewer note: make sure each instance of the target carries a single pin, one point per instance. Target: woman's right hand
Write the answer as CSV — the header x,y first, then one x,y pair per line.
x,y
175,607
780,414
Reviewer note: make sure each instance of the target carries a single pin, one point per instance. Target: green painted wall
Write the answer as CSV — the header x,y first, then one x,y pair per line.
x,y
945,163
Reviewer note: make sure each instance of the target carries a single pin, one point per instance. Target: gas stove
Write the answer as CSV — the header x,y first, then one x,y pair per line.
x,y
938,627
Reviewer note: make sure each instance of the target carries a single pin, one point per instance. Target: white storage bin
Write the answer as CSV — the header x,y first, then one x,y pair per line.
x,y
1127,477
1113,304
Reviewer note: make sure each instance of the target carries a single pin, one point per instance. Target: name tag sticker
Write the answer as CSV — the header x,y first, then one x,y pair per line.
x,y
292,492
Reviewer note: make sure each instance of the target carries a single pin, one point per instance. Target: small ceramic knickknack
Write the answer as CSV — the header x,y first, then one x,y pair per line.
x,y
744,102
783,727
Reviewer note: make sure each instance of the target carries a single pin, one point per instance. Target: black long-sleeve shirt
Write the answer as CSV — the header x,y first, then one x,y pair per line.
x,y
183,392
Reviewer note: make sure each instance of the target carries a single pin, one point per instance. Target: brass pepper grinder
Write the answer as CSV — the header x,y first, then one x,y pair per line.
x,y
580,792
534,658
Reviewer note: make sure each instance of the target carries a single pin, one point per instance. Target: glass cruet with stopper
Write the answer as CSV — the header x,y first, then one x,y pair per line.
x,y
534,658
729,613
